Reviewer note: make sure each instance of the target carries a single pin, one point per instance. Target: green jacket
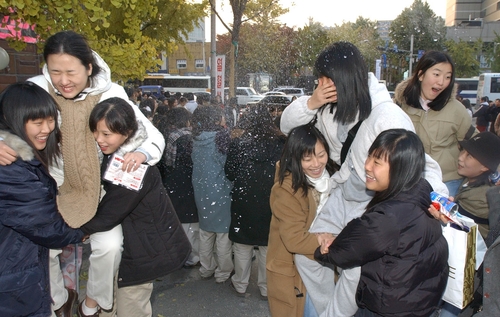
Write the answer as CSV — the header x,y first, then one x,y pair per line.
x,y
473,204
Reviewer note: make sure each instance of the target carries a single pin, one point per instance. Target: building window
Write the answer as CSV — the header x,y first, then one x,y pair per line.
x,y
181,64
199,63
498,6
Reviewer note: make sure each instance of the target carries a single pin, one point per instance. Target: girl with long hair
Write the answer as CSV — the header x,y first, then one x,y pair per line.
x,y
301,184
30,222
398,244
440,120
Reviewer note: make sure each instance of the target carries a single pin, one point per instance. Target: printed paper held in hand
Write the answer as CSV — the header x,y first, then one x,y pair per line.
x,y
115,175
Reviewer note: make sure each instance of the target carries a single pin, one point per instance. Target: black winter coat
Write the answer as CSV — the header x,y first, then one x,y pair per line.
x,y
402,253
482,115
251,165
178,181
30,224
154,243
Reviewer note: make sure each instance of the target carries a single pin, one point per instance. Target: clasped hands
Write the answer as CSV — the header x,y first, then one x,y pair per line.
x,y
325,239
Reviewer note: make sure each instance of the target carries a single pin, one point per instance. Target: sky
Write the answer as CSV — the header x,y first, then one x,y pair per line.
x,y
332,12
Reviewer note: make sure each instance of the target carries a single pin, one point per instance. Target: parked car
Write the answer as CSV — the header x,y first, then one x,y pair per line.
x,y
274,102
274,93
291,91
245,95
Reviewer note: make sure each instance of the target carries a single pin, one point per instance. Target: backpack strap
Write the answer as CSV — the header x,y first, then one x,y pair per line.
x,y
470,132
348,141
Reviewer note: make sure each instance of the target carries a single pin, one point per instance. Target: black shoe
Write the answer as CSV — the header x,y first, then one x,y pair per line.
x,y
69,308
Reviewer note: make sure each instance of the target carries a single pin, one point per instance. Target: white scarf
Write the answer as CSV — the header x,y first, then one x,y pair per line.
x,y
323,185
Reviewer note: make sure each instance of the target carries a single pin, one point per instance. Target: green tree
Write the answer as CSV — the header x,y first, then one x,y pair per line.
x,y
129,34
465,57
492,53
311,40
419,20
246,10
363,34
266,47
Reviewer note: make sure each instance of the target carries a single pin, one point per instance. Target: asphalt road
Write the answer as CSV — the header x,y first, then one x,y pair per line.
x,y
184,293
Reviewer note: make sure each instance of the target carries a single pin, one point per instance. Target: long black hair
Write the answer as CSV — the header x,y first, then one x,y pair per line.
x,y
118,115
405,154
343,64
24,101
301,142
413,90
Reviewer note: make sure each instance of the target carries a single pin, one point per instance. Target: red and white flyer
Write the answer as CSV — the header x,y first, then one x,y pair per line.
x,y
115,175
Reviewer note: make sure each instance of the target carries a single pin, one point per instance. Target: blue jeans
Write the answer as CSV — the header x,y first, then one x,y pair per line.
x,y
448,310
309,309
363,312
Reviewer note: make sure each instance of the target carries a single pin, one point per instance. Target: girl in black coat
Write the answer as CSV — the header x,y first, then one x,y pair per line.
x,y
251,163
398,244
154,243
176,167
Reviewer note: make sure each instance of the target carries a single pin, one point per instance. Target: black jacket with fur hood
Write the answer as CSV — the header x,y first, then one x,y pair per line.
x,y
30,225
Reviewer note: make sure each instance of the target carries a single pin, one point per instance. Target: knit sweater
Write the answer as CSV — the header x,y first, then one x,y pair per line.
x,y
82,183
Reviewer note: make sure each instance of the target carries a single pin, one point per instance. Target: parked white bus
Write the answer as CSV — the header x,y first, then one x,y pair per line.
x,y
488,85
467,88
177,83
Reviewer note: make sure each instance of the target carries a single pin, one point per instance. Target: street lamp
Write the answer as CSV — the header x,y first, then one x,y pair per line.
x,y
203,48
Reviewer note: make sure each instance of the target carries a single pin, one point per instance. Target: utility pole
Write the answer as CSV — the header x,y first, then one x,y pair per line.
x,y
213,51
411,57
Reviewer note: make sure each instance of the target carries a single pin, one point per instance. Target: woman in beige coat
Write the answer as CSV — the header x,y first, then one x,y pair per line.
x,y
440,120
301,183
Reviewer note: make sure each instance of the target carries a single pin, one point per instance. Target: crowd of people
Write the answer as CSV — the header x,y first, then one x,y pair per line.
x,y
331,197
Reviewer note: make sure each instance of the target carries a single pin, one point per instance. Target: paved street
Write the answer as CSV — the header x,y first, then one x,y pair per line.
x,y
183,293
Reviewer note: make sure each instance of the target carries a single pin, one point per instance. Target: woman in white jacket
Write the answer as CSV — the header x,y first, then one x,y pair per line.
x,y
346,94
78,79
